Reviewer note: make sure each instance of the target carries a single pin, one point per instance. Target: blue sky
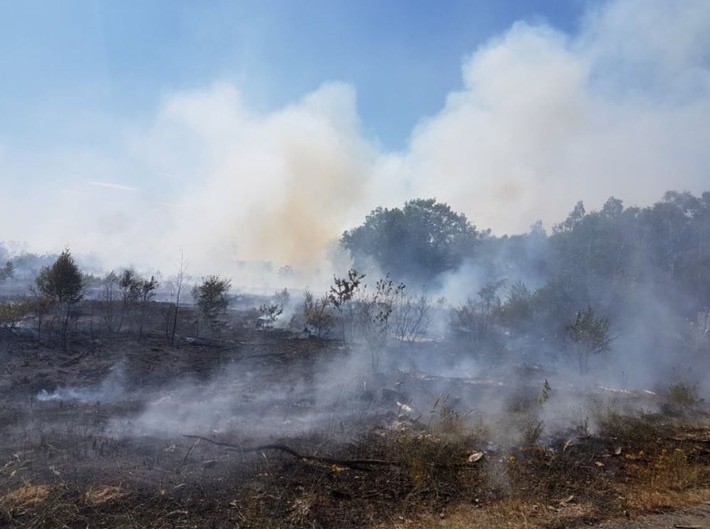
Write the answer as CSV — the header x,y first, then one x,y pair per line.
x,y
259,130
118,59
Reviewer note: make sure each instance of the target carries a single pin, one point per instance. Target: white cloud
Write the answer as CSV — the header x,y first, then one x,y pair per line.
x,y
111,185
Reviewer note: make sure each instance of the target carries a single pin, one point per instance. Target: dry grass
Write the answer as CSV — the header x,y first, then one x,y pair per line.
x,y
534,487
646,466
437,464
665,479
510,513
25,496
100,494
683,397
638,465
654,500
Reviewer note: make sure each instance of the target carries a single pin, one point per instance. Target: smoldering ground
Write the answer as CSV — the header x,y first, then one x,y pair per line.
x,y
111,389
114,412
340,395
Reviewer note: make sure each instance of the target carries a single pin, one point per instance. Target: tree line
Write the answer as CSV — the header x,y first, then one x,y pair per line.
x,y
122,304
573,290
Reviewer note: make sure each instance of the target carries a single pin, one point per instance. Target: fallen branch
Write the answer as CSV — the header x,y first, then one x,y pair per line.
x,y
350,463
184,461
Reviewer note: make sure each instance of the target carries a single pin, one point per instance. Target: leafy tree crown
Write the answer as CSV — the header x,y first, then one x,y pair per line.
x,y
212,295
418,242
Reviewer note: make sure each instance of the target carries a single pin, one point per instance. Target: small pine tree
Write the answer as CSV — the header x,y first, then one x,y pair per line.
x,y
62,281
61,285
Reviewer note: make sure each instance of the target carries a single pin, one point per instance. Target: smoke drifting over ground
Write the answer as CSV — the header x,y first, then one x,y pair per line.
x,y
243,397
543,119
111,389
340,396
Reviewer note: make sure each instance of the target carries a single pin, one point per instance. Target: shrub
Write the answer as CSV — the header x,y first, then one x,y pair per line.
x,y
212,295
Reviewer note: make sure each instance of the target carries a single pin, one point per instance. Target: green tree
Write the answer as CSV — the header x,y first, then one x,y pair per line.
x,y
517,311
418,242
130,284
62,281
7,271
12,313
212,297
61,284
599,254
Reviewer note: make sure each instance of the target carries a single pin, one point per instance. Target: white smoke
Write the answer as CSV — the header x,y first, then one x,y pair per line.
x,y
543,120
111,389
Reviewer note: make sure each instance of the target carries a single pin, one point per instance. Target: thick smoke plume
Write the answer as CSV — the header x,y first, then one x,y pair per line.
x,y
543,119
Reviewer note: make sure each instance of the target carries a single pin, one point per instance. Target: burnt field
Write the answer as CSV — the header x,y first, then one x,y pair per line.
x,y
278,428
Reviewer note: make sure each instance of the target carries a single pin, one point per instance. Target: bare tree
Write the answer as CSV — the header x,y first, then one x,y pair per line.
x,y
317,313
177,285
129,283
41,307
412,316
109,296
476,322
120,296
588,335
373,312
146,292
271,310
341,294
269,314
